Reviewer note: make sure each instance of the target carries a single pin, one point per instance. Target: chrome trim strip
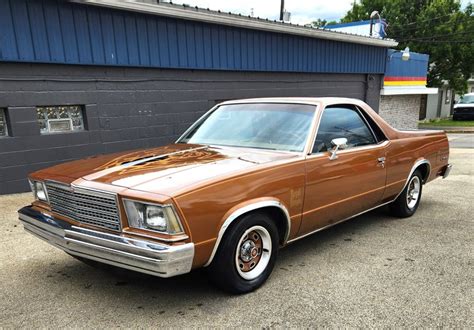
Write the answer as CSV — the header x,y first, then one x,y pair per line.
x,y
181,237
135,254
242,211
338,222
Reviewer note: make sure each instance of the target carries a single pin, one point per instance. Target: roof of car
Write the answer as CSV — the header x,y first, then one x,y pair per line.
x,y
298,100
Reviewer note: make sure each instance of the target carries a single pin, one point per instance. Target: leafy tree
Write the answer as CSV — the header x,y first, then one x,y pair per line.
x,y
320,23
439,28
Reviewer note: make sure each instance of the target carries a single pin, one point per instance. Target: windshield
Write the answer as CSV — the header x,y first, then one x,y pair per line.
x,y
265,125
466,99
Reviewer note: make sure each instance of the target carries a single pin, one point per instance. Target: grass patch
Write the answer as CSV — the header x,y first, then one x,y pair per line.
x,y
448,122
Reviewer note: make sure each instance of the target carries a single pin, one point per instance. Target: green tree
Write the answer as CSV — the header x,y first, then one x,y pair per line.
x,y
439,28
320,23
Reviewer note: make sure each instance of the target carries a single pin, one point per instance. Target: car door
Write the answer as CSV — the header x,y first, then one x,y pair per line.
x,y
354,181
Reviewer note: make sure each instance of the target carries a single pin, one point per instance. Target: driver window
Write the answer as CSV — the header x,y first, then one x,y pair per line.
x,y
342,121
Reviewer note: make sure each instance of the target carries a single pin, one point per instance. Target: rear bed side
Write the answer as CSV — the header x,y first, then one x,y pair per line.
x,y
428,150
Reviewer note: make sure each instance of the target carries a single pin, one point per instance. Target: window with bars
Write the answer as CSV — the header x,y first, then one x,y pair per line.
x,y
3,123
59,119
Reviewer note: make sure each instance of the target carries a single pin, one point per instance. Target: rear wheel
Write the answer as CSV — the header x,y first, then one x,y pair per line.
x,y
246,255
407,203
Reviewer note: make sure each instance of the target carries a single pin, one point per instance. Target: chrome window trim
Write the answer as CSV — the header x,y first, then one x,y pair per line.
x,y
357,110
355,149
308,137
366,123
243,210
309,150
361,110
156,231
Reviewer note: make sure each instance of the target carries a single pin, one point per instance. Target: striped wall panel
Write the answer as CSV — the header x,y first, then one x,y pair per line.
x,y
53,31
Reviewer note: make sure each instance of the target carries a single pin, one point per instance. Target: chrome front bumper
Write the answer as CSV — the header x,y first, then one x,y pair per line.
x,y
135,254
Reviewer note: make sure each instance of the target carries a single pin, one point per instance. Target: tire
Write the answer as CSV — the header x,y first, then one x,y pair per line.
x,y
407,203
246,255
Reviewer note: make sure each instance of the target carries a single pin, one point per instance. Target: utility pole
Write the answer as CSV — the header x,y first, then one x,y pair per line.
x,y
282,8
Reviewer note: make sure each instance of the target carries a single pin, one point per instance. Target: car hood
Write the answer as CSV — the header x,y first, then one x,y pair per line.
x,y
464,105
166,170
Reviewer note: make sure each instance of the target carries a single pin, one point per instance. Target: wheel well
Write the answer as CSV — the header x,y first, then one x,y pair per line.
x,y
425,171
281,221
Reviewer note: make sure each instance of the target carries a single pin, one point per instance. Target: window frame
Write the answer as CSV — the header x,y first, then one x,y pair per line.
x,y
355,108
309,137
364,115
82,110
5,117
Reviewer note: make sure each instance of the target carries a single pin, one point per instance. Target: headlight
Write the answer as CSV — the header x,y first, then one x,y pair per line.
x,y
153,217
39,190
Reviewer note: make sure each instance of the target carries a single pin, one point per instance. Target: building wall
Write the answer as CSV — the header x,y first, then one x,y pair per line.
x,y
432,106
128,108
52,31
439,105
400,111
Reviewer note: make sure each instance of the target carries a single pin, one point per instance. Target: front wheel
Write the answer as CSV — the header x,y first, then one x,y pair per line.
x,y
407,203
246,255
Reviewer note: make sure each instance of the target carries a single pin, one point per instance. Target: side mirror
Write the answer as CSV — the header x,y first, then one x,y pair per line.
x,y
339,144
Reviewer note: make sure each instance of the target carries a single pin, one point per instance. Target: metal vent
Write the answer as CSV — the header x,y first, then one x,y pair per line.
x,y
85,206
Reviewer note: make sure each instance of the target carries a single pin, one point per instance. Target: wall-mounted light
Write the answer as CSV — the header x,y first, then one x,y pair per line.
x,y
405,54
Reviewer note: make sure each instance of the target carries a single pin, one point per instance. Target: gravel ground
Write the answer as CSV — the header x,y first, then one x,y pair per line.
x,y
372,271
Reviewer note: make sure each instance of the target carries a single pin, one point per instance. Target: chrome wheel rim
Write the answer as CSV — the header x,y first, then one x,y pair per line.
x,y
413,192
253,252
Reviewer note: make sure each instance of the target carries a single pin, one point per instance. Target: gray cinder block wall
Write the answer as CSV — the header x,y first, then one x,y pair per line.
x,y
129,108
400,111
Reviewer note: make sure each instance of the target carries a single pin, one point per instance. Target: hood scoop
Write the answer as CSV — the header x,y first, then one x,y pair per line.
x,y
144,160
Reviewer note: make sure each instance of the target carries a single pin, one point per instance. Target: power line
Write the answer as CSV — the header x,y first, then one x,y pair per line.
x,y
429,19
441,41
438,36
401,29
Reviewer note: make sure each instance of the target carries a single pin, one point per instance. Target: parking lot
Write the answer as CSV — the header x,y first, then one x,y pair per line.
x,y
374,270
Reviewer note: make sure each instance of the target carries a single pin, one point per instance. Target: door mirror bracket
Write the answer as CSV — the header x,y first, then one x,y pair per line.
x,y
338,144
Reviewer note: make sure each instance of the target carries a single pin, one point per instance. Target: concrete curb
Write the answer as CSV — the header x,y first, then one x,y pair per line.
x,y
449,129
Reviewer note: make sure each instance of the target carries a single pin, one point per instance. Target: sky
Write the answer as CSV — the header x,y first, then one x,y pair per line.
x,y
302,11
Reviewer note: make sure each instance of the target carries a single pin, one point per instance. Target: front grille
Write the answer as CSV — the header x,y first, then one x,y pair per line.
x,y
83,205
464,110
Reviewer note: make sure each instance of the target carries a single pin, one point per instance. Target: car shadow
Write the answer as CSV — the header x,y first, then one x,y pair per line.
x,y
140,288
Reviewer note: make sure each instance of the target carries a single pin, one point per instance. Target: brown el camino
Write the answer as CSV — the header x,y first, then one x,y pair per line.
x,y
249,177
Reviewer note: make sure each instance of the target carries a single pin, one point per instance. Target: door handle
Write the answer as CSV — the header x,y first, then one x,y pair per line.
x,y
381,161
